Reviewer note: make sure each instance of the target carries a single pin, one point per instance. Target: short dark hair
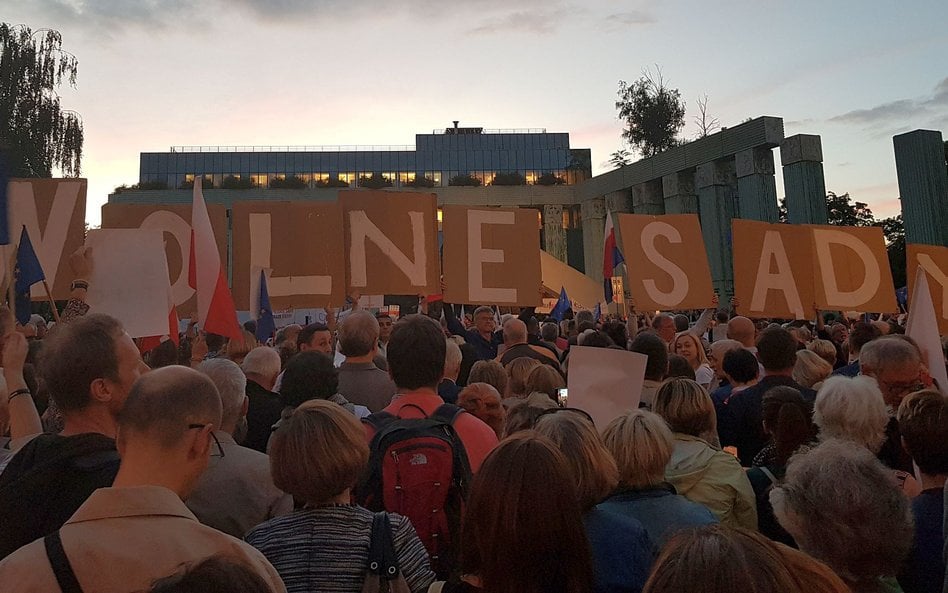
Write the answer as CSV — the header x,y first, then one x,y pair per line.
x,y
251,326
617,331
306,334
416,352
678,366
923,422
655,349
75,355
681,322
777,349
308,375
215,342
741,365
214,573
861,334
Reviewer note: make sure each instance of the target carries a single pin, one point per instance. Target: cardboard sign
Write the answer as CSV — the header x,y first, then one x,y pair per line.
x,y
604,382
130,279
391,242
666,261
852,269
175,221
773,269
54,213
491,255
934,260
298,244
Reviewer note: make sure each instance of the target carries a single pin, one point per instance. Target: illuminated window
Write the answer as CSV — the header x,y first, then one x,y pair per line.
x,y
440,215
389,176
436,177
531,177
259,179
565,218
321,177
189,178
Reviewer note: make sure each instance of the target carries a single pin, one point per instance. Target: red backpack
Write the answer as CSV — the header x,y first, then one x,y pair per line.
x,y
418,468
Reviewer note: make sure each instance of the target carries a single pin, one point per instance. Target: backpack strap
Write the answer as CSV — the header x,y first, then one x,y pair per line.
x,y
382,558
65,576
378,420
768,473
448,413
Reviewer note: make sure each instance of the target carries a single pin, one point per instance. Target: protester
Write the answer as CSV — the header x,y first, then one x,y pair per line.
x,y
89,366
689,347
545,379
860,335
842,507
697,470
318,455
550,333
238,348
314,337
490,372
617,332
621,550
811,369
510,543
125,536
716,352
742,329
656,366
482,337
483,401
517,346
236,492
448,388
740,368
261,367
642,444
517,372
385,331
825,349
717,559
923,424
679,367
523,415
217,573
360,380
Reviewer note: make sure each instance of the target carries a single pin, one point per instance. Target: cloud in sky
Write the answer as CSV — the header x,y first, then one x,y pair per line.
x,y
934,107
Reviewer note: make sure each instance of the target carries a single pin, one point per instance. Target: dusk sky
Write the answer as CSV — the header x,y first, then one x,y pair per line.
x,y
157,73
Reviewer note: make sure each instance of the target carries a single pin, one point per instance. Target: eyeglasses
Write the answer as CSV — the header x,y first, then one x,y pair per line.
x,y
556,410
220,449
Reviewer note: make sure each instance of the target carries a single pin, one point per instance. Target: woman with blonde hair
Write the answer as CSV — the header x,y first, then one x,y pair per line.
x,y
545,379
517,372
689,346
641,444
621,550
699,471
317,455
825,349
811,369
237,348
490,372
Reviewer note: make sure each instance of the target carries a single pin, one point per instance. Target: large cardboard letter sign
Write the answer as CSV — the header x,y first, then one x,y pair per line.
x,y
666,260
175,222
934,260
299,246
491,255
773,269
391,242
852,269
54,213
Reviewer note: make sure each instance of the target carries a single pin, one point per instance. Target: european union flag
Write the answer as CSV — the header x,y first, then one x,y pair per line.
x,y
562,306
27,273
265,324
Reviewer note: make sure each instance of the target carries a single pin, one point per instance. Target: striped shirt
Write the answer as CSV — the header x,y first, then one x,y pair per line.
x,y
326,549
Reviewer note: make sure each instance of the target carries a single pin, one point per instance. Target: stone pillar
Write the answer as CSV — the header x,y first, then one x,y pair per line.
x,y
647,198
923,185
802,158
714,182
619,201
678,191
554,235
594,223
756,187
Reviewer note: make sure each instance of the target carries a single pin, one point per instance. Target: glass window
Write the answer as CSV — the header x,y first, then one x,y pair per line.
x,y
259,179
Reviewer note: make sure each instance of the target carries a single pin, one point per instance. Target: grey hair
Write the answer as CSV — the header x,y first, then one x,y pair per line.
x,y
452,355
585,316
549,331
852,409
262,360
887,352
515,331
231,384
482,310
358,334
842,506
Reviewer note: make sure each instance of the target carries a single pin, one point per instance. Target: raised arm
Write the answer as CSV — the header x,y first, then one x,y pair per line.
x,y
704,322
24,419
81,263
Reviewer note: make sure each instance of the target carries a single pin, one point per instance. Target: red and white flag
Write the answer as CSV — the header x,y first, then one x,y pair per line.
x,y
207,276
152,342
922,326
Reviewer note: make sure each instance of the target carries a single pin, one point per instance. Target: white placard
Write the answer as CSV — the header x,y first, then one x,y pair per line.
x,y
605,382
129,279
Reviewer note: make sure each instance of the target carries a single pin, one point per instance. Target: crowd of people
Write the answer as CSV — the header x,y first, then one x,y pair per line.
x,y
438,452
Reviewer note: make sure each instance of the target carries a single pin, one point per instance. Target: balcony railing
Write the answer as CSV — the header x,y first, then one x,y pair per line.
x,y
333,148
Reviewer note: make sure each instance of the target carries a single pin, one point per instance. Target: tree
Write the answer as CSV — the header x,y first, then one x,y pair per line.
x,y
36,131
421,181
840,211
375,181
894,230
465,180
706,124
549,179
653,113
511,178
291,182
620,158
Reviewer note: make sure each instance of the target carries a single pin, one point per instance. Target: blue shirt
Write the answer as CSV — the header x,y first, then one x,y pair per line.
x,y
924,571
621,551
660,510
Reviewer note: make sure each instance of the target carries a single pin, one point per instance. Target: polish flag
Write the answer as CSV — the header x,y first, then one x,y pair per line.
x,y
922,326
611,257
207,276
152,342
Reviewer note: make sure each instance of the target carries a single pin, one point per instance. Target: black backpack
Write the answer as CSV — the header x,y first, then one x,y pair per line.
x,y
418,468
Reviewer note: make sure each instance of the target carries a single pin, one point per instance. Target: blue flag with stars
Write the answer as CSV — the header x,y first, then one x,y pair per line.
x,y
26,273
562,306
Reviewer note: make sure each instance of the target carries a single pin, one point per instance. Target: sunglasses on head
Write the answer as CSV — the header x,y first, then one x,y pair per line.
x,y
584,413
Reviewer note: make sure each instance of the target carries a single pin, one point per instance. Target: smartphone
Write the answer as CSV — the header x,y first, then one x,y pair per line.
x,y
561,396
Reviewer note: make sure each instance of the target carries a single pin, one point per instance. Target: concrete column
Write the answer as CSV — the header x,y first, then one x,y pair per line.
x,y
678,191
802,158
619,201
714,182
923,186
756,187
594,223
647,198
554,235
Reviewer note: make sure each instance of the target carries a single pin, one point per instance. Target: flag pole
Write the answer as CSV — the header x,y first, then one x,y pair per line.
x,y
52,303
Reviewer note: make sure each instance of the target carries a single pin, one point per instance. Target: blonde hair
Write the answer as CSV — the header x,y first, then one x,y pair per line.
x,y
590,463
852,409
490,372
699,347
544,379
641,444
518,370
810,368
318,452
685,406
824,348
238,348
